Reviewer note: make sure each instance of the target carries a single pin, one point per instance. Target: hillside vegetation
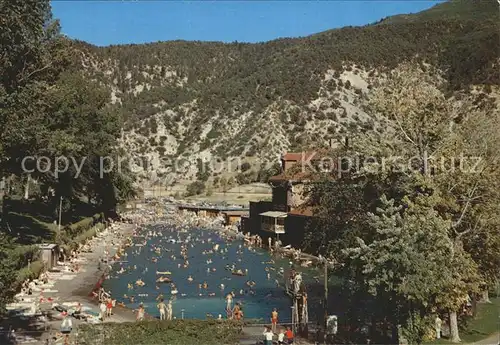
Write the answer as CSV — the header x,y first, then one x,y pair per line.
x,y
212,100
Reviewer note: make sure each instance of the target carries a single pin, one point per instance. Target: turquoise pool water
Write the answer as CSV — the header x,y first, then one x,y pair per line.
x,y
259,304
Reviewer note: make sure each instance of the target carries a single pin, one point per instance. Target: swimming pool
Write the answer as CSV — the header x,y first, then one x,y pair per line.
x,y
257,302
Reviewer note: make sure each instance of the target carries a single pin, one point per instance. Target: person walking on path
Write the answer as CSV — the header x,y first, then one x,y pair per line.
x,y
162,309
274,320
437,326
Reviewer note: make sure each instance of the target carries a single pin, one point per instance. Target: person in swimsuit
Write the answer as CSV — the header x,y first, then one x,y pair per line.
x,y
274,320
140,313
237,312
78,311
109,307
102,308
162,309
169,310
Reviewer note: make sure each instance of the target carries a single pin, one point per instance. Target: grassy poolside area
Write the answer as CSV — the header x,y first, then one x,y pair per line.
x,y
485,324
33,221
29,230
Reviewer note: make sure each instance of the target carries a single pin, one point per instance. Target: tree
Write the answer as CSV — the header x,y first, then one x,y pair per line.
x,y
216,181
245,166
34,55
223,183
425,124
8,271
439,197
195,188
204,170
401,260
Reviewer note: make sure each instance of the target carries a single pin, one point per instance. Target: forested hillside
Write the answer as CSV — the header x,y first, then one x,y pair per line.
x,y
209,99
55,125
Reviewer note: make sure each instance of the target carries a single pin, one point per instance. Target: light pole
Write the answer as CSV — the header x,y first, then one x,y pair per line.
x,y
60,212
325,305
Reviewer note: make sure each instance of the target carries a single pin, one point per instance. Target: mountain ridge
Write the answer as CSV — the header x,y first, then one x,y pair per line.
x,y
213,100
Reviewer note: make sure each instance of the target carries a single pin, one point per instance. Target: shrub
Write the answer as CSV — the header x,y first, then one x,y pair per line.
x,y
34,271
75,230
245,166
242,178
84,236
177,332
195,188
24,254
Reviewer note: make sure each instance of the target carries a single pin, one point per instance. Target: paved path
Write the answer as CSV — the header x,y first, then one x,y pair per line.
x,y
491,340
74,290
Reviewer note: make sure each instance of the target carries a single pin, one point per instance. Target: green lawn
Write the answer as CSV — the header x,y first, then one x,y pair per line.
x,y
30,230
486,323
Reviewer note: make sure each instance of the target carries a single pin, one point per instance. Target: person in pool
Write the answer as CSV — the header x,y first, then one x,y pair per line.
x,y
229,301
237,312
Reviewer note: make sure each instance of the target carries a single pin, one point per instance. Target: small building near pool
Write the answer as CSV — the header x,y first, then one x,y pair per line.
x,y
287,216
234,217
230,214
50,254
273,222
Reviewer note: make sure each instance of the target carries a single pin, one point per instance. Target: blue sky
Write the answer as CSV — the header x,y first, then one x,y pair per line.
x,y
115,22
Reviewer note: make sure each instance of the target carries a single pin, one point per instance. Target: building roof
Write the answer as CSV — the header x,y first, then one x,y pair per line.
x,y
300,172
274,214
212,208
47,246
298,156
290,176
302,211
235,213
305,155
